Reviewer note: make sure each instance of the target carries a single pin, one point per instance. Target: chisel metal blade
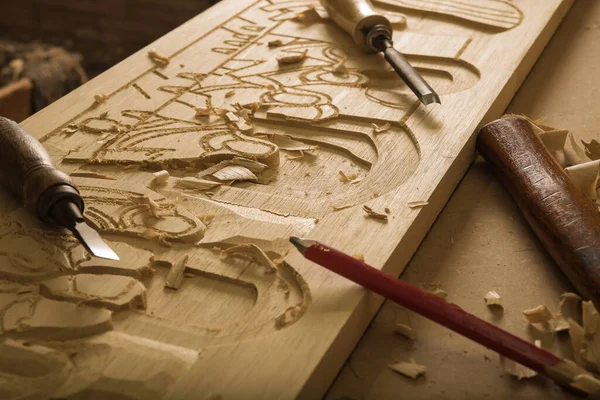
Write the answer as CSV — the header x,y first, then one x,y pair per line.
x,y
91,240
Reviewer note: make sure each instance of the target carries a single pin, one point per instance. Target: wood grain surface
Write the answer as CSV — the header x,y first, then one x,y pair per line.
x,y
250,318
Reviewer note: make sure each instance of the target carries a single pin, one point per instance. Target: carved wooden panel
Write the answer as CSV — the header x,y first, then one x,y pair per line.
x,y
270,123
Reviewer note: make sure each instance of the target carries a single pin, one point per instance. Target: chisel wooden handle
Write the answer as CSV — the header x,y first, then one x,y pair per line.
x,y
563,218
356,17
27,171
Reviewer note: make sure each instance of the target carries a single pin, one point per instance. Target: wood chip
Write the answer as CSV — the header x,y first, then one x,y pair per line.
x,y
417,204
157,58
568,309
378,129
275,43
409,369
576,335
100,98
160,177
374,214
339,68
359,256
235,173
435,288
231,117
229,94
291,58
493,299
406,331
243,125
346,178
538,315
175,275
195,183
342,207
287,143
585,177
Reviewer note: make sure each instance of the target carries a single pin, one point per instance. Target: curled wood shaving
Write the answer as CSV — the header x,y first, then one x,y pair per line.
x,y
435,288
374,214
291,58
235,173
256,253
515,369
492,298
342,207
195,183
409,369
538,315
229,94
287,143
576,154
576,335
252,165
417,204
339,68
157,58
585,177
100,98
160,177
406,331
346,178
568,309
275,43
71,128
378,129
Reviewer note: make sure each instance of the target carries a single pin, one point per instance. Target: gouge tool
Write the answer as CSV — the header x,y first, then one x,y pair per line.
x,y
27,171
372,32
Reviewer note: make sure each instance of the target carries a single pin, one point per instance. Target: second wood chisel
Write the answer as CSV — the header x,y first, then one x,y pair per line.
x,y
27,171
372,32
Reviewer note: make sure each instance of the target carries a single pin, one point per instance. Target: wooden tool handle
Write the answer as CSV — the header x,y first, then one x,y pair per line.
x,y
27,171
355,16
565,220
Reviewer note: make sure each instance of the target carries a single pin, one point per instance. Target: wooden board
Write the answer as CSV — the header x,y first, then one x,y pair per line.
x,y
250,318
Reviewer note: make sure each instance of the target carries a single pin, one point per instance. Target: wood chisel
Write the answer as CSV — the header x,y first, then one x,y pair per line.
x,y
565,220
372,32
27,171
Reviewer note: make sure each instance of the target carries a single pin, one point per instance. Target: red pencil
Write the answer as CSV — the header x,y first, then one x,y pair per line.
x,y
563,371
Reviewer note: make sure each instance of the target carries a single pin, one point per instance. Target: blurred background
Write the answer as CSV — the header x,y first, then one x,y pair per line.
x,y
50,47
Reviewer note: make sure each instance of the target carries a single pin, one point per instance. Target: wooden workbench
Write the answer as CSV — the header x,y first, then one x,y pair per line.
x,y
480,242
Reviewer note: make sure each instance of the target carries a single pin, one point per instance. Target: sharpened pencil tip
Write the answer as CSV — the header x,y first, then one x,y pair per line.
x,y
301,244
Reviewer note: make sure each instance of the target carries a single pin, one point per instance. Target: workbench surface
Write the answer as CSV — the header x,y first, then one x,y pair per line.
x,y
481,242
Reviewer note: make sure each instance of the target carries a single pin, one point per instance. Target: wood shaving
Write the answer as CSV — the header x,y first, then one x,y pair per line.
x,y
252,165
576,154
231,117
229,94
291,58
378,129
409,369
576,334
308,16
160,177
203,112
493,299
374,214
342,207
435,288
175,275
287,143
568,309
359,256
157,58
195,183
585,177
592,149
71,128
406,331
93,175
243,126
417,204
346,178
538,315
100,98
339,68
275,43
235,173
